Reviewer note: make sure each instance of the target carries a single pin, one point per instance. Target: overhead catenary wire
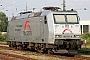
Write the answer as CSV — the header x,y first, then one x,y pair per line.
x,y
40,6
30,2
37,6
11,4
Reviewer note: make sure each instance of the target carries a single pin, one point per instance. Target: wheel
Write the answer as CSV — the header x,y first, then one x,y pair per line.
x,y
50,51
19,48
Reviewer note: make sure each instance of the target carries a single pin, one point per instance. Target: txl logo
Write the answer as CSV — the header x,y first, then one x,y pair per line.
x,y
27,25
66,30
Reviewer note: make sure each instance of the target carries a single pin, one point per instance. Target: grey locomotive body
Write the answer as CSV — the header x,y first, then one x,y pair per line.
x,y
47,31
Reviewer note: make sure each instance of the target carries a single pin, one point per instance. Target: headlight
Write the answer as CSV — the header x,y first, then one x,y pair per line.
x,y
56,36
77,36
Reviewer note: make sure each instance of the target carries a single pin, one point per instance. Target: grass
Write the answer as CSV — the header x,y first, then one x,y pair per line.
x,y
26,53
3,43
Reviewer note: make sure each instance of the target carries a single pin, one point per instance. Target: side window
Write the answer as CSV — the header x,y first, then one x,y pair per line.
x,y
45,20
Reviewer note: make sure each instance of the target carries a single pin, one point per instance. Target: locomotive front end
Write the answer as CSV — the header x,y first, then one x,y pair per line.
x,y
67,32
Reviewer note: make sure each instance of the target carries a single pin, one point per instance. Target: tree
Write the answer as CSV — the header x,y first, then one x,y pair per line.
x,y
3,22
86,36
3,37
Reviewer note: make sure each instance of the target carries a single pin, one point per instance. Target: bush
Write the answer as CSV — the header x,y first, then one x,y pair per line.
x,y
86,37
2,37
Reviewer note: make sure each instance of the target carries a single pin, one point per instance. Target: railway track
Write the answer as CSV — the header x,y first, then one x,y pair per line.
x,y
12,56
7,56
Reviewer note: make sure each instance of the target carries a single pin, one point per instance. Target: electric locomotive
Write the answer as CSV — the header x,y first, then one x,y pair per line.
x,y
51,30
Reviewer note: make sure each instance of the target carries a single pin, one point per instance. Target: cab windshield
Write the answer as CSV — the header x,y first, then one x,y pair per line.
x,y
59,19
71,18
63,19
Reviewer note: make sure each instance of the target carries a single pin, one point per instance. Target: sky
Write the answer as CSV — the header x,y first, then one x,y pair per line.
x,y
14,7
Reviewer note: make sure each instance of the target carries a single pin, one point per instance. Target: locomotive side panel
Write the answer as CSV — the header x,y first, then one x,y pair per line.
x,y
27,30
35,28
14,30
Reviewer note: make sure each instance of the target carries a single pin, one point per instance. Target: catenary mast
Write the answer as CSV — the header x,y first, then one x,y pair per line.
x,y
64,9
